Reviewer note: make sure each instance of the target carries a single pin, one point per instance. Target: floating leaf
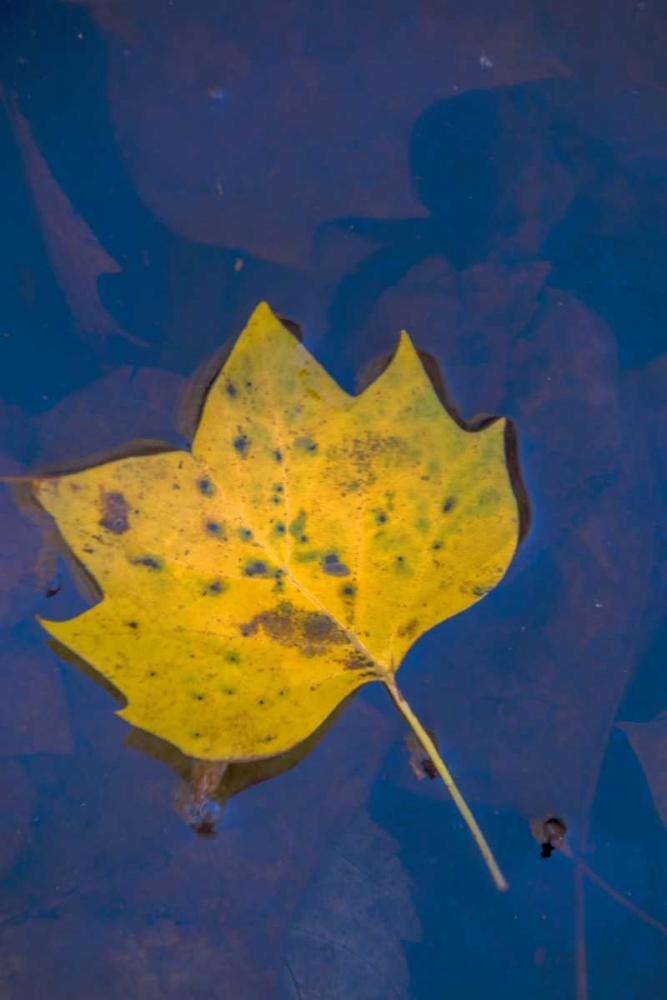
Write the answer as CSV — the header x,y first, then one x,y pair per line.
x,y
295,553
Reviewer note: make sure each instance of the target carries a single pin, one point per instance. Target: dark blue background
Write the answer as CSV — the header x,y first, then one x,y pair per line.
x,y
492,177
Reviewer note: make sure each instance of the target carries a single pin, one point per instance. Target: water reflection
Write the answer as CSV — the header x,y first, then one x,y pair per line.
x,y
511,175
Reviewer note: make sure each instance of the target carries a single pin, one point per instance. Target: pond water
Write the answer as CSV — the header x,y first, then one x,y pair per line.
x,y
493,178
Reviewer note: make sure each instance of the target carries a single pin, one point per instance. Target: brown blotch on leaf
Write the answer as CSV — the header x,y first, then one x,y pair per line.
x,y
115,510
310,631
409,628
357,661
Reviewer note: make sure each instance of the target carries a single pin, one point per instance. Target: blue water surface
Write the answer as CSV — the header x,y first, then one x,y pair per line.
x,y
493,178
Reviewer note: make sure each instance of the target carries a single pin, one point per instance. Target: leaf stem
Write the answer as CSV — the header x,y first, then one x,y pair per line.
x,y
432,751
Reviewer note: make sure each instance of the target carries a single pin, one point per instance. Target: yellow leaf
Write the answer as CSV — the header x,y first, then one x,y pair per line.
x,y
295,553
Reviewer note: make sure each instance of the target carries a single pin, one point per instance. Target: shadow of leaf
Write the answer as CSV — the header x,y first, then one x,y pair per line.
x,y
649,742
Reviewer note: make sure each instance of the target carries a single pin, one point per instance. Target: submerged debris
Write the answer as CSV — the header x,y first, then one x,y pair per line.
x,y
420,763
194,800
549,833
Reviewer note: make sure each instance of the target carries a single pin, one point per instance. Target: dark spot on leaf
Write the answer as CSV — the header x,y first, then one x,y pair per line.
x,y
206,487
348,590
215,587
278,487
449,505
88,549
152,673
480,590
232,656
229,690
381,517
256,568
231,390
115,510
133,625
306,444
196,736
199,697
245,534
282,692
312,632
298,525
278,455
150,562
214,528
333,567
241,444
436,546
261,701
279,528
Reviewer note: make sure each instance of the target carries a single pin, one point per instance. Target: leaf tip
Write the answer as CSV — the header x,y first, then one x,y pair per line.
x,y
262,313
405,342
264,323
